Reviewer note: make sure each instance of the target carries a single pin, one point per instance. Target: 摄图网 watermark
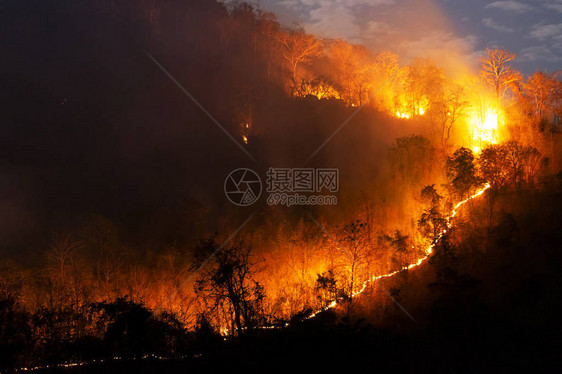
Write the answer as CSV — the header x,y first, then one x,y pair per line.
x,y
285,186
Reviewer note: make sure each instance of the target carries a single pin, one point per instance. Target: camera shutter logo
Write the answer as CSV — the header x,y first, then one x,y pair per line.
x,y
242,187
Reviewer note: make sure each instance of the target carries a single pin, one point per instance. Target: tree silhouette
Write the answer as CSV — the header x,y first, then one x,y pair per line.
x,y
15,329
542,90
133,331
326,288
227,287
494,170
432,222
401,246
355,247
461,171
445,112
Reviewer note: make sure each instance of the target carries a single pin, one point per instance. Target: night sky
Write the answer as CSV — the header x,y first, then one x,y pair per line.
x,y
531,29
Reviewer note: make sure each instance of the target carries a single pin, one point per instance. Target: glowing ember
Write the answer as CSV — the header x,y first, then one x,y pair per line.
x,y
245,139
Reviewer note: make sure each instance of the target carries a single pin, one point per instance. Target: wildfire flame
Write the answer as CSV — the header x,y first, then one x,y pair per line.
x,y
333,304
407,110
421,260
484,127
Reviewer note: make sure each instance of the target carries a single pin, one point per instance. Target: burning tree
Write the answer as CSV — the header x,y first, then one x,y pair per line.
x,y
353,70
498,76
497,73
423,86
445,112
388,74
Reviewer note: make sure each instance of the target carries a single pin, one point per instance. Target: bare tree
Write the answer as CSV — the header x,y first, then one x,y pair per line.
x,y
522,162
496,71
423,85
387,75
227,286
355,248
297,48
353,70
446,112
542,90
268,38
101,239
65,275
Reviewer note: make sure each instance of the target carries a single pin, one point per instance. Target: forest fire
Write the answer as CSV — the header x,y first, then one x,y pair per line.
x,y
144,159
419,261
400,114
484,127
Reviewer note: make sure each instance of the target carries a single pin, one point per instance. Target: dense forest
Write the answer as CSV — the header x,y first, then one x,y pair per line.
x,y
119,250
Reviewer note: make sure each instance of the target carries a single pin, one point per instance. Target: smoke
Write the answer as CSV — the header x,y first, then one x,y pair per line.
x,y
110,134
411,28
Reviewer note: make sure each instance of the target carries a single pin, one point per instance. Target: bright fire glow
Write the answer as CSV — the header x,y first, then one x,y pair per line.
x,y
245,139
333,304
406,109
484,122
320,90
421,260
